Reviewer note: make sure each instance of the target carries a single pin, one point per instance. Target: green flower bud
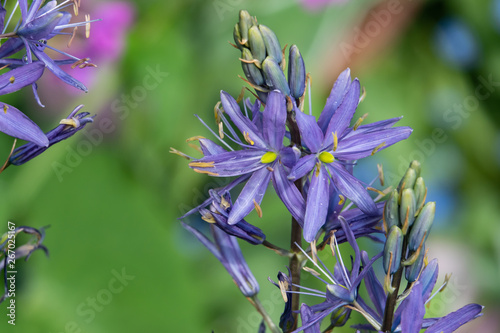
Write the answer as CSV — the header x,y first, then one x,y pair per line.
x,y
407,209
274,76
408,180
245,23
422,225
273,47
237,36
415,165
420,192
251,71
296,72
391,211
394,245
257,45
412,271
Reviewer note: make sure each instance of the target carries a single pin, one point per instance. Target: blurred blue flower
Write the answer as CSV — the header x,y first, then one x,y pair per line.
x,y
455,43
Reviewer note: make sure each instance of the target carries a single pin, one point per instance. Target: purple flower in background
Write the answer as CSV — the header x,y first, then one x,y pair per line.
x,y
332,149
66,128
409,316
38,25
22,251
264,157
226,249
319,4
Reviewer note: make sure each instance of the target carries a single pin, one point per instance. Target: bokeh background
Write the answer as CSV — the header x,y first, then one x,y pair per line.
x,y
119,260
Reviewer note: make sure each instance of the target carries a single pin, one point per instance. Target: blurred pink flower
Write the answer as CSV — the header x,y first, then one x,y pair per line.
x,y
107,37
318,4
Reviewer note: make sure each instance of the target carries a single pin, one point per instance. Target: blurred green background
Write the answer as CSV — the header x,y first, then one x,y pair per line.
x,y
112,206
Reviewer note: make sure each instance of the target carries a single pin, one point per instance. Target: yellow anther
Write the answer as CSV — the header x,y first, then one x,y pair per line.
x,y
87,26
246,135
381,174
335,141
206,172
375,190
208,218
326,157
310,270
363,94
224,203
5,107
241,95
12,79
268,157
202,164
283,288
269,169
376,149
181,154
359,121
342,199
257,208
195,147
217,112
317,167
195,138
72,36
73,122
221,130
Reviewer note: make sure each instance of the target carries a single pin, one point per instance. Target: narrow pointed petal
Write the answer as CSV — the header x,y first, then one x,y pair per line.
x,y
454,320
51,65
362,145
349,186
376,126
310,133
305,315
14,123
303,167
413,310
230,163
317,204
11,46
374,287
244,124
289,194
337,94
254,189
23,76
343,115
352,241
274,120
208,147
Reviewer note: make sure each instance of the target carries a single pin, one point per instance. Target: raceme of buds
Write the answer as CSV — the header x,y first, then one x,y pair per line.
x,y
262,59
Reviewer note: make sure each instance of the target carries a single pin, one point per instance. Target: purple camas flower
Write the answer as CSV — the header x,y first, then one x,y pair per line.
x,y
226,249
38,25
66,128
331,149
264,157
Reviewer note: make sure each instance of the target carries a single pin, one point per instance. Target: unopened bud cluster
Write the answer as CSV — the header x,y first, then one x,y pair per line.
x,y
263,62
407,222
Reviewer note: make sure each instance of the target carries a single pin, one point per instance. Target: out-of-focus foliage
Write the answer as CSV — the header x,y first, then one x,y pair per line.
x,y
113,208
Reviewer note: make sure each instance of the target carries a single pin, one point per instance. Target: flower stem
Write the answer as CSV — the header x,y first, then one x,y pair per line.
x,y
296,233
390,304
258,305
